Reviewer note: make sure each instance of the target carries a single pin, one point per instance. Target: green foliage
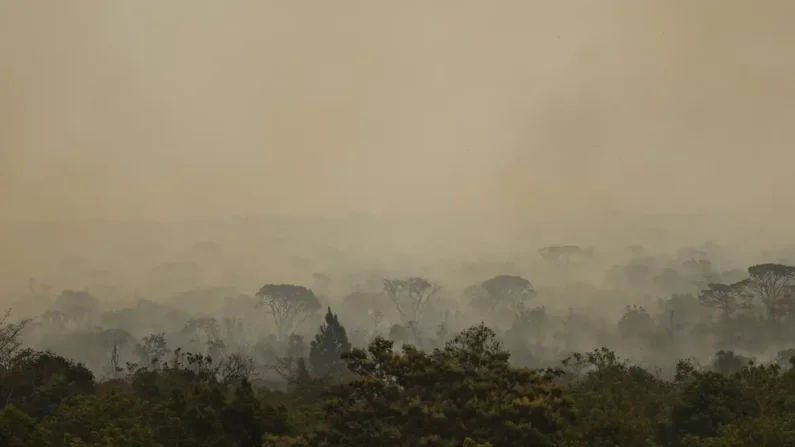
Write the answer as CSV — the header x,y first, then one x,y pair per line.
x,y
284,441
468,389
196,410
617,404
17,429
464,394
37,382
468,442
112,418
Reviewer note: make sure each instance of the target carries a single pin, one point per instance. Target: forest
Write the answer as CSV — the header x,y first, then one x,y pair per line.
x,y
397,224
701,356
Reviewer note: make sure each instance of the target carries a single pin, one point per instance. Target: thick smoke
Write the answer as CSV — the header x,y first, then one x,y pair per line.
x,y
523,123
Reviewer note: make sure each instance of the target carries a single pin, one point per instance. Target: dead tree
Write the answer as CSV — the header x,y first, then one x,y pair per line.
x,y
10,338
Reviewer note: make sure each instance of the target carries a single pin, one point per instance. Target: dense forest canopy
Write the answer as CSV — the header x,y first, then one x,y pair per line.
x,y
691,354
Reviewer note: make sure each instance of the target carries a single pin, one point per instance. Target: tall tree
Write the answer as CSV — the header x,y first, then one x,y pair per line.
x,y
289,305
727,298
325,351
505,292
410,295
770,283
10,338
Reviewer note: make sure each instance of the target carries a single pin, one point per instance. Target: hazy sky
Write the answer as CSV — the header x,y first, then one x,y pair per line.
x,y
166,109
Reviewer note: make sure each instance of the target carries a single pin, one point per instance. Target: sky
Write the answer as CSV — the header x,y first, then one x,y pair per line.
x,y
515,109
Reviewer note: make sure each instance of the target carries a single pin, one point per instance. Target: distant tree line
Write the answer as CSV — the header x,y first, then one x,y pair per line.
x,y
423,379
466,393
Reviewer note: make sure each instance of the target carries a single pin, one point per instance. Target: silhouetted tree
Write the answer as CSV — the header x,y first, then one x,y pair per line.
x,y
727,362
770,284
289,305
10,338
152,349
727,298
410,296
503,292
636,321
286,366
325,351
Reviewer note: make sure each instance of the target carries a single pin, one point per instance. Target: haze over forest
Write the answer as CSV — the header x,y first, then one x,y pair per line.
x,y
560,117
442,223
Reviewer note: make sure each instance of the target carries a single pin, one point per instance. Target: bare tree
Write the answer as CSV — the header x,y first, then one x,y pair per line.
x,y
235,367
289,305
113,368
203,330
770,283
410,295
287,366
152,350
727,298
10,337
226,369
